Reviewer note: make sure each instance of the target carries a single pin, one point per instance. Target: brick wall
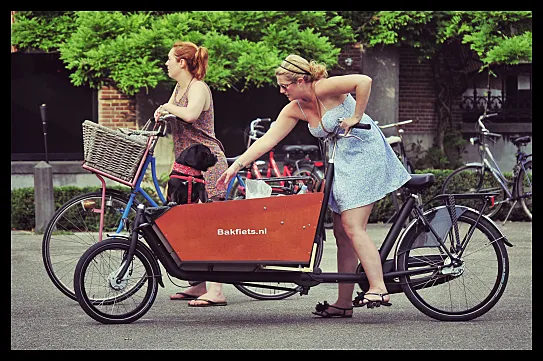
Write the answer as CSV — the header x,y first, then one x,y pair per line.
x,y
416,93
115,109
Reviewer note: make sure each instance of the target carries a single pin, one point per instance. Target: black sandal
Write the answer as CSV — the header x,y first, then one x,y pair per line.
x,y
357,302
321,311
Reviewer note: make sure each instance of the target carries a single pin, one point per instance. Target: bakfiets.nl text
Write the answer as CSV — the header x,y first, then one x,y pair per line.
x,y
239,231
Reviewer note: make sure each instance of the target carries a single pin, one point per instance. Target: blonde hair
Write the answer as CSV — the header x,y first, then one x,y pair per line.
x,y
295,67
195,56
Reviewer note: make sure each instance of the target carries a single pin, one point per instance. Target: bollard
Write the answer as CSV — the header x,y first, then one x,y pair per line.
x,y
44,203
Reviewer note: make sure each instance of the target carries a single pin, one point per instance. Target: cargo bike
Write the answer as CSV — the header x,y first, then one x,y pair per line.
x,y
451,261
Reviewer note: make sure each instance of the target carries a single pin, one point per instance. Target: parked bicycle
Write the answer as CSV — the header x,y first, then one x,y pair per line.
x,y
396,142
487,177
451,261
299,161
123,156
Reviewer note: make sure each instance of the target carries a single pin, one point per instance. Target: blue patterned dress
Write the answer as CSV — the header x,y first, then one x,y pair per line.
x,y
364,171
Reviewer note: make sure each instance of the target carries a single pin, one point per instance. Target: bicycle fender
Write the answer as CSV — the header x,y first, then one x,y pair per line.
x,y
145,249
441,222
474,164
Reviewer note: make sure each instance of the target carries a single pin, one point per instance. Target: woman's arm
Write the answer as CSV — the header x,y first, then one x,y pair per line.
x,y
337,85
286,121
197,95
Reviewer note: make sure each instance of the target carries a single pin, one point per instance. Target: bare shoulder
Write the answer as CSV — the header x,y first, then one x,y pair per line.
x,y
292,111
340,84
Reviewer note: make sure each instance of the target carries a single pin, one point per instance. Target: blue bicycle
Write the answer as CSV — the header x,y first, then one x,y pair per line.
x,y
124,156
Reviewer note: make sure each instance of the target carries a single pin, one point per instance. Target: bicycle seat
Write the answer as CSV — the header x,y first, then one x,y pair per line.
x,y
292,149
520,141
310,148
394,139
420,181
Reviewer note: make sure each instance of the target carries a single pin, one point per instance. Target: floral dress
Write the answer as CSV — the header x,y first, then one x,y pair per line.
x,y
202,131
364,170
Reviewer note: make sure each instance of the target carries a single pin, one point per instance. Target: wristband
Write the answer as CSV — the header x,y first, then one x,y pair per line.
x,y
241,166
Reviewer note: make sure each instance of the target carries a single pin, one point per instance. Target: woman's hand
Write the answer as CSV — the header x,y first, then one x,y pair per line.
x,y
228,174
159,112
347,123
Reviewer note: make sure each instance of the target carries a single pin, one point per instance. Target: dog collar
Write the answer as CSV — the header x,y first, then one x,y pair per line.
x,y
185,169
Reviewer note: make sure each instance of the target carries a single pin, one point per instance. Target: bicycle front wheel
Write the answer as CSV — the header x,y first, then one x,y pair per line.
x,y
524,188
74,228
474,179
454,292
95,280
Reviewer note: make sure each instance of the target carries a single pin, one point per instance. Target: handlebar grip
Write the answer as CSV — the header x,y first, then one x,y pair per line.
x,y
494,134
362,126
264,119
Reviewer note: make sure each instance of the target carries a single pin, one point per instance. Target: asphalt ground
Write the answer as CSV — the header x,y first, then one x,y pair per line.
x,y
44,319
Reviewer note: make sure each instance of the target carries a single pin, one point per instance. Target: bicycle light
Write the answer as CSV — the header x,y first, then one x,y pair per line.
x,y
474,140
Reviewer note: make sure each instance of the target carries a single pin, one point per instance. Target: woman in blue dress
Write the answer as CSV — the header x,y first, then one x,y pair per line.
x,y
365,170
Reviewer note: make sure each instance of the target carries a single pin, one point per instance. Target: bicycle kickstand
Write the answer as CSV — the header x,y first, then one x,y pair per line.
x,y
509,213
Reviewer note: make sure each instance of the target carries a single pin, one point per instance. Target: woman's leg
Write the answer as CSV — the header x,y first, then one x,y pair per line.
x,y
347,262
354,223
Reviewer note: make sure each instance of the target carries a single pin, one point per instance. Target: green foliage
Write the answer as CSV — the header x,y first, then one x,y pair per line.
x,y
22,202
128,49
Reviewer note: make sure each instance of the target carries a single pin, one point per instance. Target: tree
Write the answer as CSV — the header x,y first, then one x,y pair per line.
x,y
493,38
128,49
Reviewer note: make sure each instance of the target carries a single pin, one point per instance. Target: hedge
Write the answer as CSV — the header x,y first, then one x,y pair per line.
x,y
22,202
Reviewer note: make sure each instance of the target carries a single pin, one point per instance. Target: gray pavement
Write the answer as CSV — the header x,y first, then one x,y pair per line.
x,y
44,319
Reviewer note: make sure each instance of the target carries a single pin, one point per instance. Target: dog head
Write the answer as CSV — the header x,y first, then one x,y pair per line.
x,y
197,156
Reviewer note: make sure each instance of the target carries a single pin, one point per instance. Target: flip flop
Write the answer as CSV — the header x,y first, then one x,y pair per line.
x,y
186,297
208,303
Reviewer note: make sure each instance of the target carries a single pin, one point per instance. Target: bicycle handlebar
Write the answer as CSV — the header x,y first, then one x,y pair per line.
x,y
396,124
485,131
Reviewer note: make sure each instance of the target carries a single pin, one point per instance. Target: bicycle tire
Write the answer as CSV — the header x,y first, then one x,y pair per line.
x,y
474,179
459,293
94,279
523,187
73,229
277,290
235,191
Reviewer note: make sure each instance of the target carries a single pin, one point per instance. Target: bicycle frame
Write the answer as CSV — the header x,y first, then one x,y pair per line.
x,y
280,239
307,274
148,159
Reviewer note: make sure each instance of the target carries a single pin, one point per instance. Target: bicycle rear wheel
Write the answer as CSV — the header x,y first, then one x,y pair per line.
x,y
449,292
524,188
95,280
74,228
474,179
277,290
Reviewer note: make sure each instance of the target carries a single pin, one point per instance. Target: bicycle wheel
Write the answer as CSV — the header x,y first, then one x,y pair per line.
x,y
277,290
474,179
308,170
236,192
524,188
74,228
461,292
94,280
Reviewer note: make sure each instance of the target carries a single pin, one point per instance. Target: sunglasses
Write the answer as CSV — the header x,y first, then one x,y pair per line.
x,y
285,86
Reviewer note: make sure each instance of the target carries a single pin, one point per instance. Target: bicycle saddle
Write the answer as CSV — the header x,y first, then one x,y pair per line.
x,y
420,181
518,141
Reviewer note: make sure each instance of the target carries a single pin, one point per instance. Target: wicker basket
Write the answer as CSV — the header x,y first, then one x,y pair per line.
x,y
112,151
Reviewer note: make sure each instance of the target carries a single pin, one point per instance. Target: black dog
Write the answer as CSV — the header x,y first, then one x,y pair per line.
x,y
186,176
